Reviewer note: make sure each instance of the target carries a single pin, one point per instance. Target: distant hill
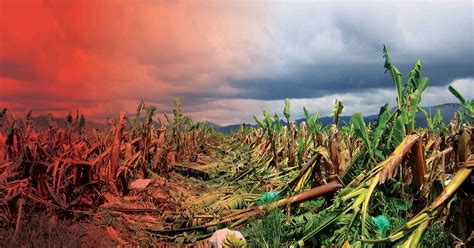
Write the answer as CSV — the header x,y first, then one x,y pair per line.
x,y
447,110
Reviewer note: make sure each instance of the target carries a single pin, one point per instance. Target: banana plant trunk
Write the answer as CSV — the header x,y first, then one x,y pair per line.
x,y
274,149
333,169
115,153
321,190
292,145
419,164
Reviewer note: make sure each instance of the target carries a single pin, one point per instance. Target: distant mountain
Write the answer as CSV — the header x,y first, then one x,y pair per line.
x,y
229,128
447,110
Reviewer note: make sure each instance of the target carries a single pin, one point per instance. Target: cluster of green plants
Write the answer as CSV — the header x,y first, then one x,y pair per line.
x,y
391,171
357,184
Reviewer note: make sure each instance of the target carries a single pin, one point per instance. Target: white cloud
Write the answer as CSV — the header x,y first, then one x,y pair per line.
x,y
439,95
234,111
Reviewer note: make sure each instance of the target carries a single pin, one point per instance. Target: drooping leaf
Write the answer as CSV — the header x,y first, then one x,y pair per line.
x,y
414,75
361,129
259,122
396,76
468,106
429,120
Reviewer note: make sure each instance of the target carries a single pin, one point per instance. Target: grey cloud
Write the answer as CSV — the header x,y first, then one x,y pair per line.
x,y
338,49
320,80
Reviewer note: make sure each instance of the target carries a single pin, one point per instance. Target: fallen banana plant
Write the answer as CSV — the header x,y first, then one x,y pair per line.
x,y
417,225
239,218
360,196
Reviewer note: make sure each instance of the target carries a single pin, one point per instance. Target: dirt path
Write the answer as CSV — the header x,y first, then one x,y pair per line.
x,y
182,200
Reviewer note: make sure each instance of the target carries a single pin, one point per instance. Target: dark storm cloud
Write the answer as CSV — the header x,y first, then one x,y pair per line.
x,y
341,52
319,80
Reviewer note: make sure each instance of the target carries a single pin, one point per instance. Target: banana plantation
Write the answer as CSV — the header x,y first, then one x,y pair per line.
x,y
280,183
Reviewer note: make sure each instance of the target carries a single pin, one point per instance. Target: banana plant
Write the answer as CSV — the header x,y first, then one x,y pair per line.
x,y
135,124
372,141
291,134
354,200
436,122
278,126
334,140
408,97
267,126
338,107
417,225
408,100
286,111
314,127
312,121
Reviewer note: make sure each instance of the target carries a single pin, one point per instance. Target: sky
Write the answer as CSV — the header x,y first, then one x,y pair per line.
x,y
227,60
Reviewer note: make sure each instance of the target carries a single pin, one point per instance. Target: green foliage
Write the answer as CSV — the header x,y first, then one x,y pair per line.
x,y
388,202
438,118
267,231
361,130
436,235
308,225
267,122
286,111
380,127
338,107
415,99
396,76
278,126
358,165
436,122
372,142
398,131
468,106
312,121
429,120
267,119
259,122
408,96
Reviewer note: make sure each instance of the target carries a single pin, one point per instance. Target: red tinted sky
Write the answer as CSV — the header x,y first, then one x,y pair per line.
x,y
226,60
104,56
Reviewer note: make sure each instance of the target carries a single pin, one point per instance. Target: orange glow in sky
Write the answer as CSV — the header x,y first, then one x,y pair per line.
x,y
104,56
226,60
